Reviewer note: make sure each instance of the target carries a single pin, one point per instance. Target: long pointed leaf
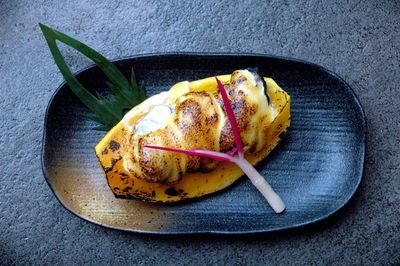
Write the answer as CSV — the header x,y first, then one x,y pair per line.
x,y
109,69
108,111
142,90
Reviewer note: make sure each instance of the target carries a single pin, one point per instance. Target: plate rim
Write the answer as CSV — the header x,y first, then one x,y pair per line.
x,y
221,232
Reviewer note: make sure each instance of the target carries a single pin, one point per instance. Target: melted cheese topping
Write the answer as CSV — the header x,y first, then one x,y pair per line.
x,y
188,117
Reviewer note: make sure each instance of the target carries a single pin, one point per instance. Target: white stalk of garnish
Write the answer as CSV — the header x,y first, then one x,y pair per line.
x,y
235,156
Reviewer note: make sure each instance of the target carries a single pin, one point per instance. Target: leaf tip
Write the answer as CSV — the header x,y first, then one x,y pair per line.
x,y
43,27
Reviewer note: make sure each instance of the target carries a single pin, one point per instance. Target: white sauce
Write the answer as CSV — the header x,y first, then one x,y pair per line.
x,y
153,120
255,79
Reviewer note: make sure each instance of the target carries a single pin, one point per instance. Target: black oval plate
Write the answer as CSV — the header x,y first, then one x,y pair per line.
x,y
316,169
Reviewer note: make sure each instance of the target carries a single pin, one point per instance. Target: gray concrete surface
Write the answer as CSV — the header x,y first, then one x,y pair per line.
x,y
360,40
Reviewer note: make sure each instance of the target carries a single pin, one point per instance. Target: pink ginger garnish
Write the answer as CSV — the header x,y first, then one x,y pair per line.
x,y
236,156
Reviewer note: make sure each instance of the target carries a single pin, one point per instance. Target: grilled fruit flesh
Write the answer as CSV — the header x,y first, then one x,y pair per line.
x,y
191,115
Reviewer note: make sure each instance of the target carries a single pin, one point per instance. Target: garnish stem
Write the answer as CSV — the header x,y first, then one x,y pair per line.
x,y
258,180
235,156
196,152
261,184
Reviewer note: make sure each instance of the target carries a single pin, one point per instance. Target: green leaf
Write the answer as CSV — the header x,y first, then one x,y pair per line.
x,y
142,90
107,112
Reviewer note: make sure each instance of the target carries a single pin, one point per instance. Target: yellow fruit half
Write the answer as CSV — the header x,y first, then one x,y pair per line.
x,y
111,149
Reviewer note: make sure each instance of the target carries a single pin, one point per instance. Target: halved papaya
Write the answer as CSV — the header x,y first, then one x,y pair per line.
x,y
111,149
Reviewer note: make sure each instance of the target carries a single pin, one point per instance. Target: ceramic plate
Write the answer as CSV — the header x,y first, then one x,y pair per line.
x,y
316,168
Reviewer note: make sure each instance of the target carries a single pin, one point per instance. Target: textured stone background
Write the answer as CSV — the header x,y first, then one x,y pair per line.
x,y
359,41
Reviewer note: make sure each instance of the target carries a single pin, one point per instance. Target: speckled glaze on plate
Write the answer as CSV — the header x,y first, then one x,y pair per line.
x,y
316,168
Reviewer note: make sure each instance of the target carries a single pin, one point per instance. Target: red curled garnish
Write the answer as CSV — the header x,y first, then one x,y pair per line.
x,y
235,156
232,119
